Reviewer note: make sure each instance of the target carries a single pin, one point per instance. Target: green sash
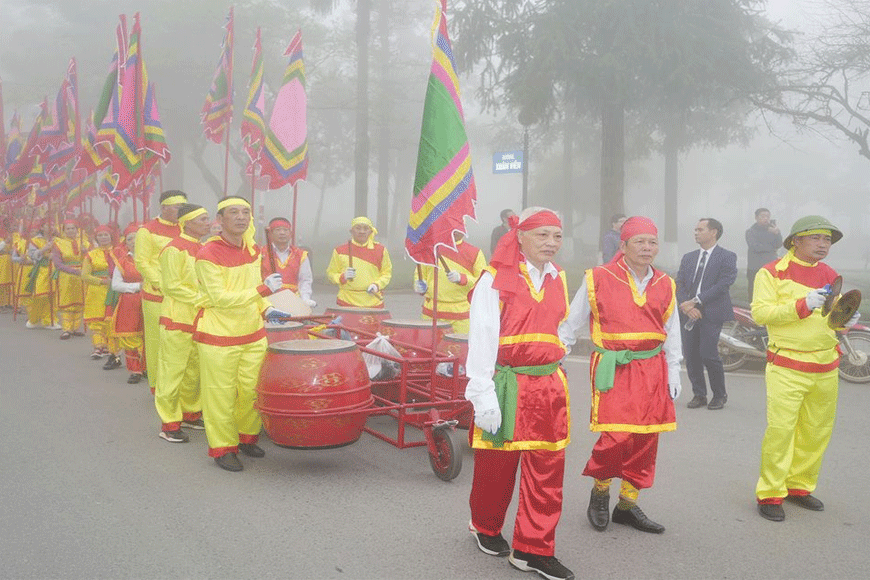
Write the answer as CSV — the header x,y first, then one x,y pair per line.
x,y
606,369
34,274
506,390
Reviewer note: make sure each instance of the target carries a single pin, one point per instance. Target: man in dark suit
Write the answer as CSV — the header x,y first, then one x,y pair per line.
x,y
703,281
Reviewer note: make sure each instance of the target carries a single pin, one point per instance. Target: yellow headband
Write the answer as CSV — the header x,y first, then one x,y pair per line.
x,y
174,199
366,222
248,236
189,216
824,232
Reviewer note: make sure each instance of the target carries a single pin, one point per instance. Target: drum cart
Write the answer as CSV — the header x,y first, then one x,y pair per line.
x,y
417,397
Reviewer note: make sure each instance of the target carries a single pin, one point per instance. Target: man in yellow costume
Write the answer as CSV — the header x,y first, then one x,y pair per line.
x,y
459,270
177,394
151,238
95,274
37,284
230,335
361,268
802,367
5,266
69,250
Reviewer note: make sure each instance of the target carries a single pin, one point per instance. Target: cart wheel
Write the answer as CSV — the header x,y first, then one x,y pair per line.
x,y
447,462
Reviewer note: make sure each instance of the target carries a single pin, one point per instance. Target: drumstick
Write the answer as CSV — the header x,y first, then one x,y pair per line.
x,y
444,264
270,250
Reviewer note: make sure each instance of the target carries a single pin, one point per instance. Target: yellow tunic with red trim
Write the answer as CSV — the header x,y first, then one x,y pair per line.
x,y
181,295
43,278
453,302
151,238
529,336
70,290
373,266
288,269
800,339
623,319
5,261
229,278
21,271
95,268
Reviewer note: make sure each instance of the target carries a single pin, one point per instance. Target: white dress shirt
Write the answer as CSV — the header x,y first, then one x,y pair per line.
x,y
304,277
698,263
118,284
483,333
580,311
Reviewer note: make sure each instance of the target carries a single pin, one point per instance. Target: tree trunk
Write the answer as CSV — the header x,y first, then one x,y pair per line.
x,y
612,162
672,144
384,114
568,173
361,154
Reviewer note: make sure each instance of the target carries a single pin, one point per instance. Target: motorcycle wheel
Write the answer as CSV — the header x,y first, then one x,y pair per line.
x,y
731,359
856,369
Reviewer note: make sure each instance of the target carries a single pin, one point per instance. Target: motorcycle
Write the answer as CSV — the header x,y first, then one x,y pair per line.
x,y
742,340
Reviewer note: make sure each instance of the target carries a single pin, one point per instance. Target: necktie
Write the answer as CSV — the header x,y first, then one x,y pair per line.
x,y
699,273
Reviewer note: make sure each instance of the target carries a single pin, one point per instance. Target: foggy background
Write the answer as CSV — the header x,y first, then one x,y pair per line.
x,y
774,162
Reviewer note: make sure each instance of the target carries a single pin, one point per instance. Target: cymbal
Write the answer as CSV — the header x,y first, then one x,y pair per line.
x,y
836,286
844,309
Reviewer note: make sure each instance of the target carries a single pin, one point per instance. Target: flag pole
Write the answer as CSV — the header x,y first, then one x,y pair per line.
x,y
227,164
295,191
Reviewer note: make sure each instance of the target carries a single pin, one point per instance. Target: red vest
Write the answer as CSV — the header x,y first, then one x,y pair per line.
x,y
289,270
127,320
622,319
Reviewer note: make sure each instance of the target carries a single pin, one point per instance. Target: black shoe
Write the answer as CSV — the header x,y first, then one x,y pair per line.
x,y
492,545
697,402
635,518
807,502
65,335
771,511
229,461
717,403
78,333
113,362
134,378
197,424
598,511
177,436
547,566
251,450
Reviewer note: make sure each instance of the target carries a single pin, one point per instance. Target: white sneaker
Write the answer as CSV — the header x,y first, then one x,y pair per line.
x,y
31,326
54,327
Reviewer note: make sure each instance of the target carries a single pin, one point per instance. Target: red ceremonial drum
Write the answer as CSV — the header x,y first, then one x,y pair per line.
x,y
314,393
367,319
279,332
416,332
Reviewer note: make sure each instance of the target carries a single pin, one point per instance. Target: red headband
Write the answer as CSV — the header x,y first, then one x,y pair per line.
x,y
280,223
131,228
506,257
635,226
536,220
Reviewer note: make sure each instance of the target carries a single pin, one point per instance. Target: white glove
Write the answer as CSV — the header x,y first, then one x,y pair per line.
x,y
675,389
2,245
373,289
275,315
854,320
349,273
273,282
309,302
454,276
816,298
420,286
487,414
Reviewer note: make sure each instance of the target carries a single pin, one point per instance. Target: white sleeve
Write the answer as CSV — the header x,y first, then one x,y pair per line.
x,y
673,346
485,323
305,279
578,318
118,284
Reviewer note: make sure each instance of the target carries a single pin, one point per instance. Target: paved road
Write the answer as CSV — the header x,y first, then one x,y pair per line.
x,y
89,491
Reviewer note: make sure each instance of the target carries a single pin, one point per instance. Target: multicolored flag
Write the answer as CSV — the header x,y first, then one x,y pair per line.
x,y
90,160
114,139
18,171
14,142
217,112
79,189
444,189
70,146
285,153
254,118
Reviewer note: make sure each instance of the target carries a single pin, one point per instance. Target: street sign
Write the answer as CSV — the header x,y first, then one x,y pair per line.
x,y
507,162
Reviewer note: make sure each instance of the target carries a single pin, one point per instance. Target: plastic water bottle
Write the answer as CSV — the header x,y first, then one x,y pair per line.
x,y
690,324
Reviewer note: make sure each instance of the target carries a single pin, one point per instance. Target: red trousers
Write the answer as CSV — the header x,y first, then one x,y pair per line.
x,y
540,501
628,456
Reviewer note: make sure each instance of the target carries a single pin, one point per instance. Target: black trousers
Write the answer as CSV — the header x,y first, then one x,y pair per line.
x,y
701,351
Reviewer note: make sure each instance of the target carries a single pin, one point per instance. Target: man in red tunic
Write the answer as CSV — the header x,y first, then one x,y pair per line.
x,y
281,257
628,307
520,394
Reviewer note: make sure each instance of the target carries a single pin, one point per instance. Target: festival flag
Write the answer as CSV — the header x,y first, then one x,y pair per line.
x,y
217,112
14,142
90,160
18,171
79,189
285,154
155,145
254,118
444,189
70,146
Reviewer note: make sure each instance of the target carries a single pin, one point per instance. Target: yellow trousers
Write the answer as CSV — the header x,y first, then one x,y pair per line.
x,y
177,395
71,318
6,295
228,379
151,323
801,408
134,352
457,326
100,333
39,310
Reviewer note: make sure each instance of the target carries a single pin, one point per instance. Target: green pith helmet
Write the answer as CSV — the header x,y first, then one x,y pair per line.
x,y
812,222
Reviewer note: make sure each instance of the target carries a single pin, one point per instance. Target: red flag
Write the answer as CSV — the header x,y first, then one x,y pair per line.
x,y
217,111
